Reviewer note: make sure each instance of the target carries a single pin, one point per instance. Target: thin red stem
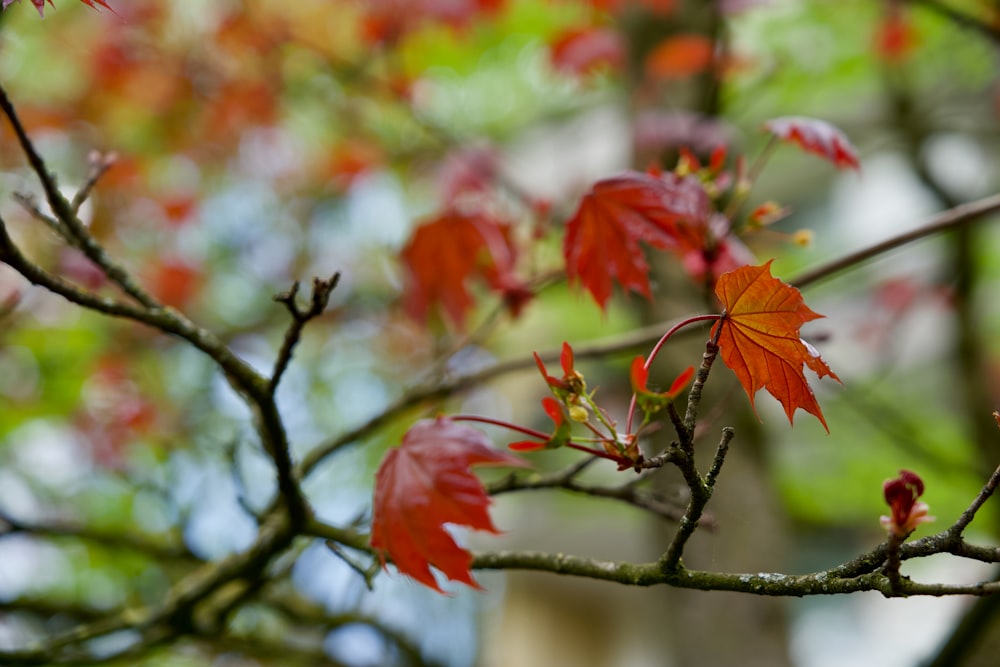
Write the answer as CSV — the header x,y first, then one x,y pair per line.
x,y
593,429
656,350
535,434
670,332
597,452
751,178
499,422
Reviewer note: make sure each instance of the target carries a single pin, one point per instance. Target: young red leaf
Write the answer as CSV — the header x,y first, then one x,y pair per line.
x,y
94,4
571,385
602,237
901,495
760,339
422,485
566,360
528,445
816,136
680,382
559,438
445,253
650,401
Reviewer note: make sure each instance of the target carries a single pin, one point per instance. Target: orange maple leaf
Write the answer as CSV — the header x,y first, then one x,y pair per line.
x,y
422,485
759,338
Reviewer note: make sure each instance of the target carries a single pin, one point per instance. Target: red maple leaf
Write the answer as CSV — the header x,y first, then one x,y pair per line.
x,y
422,485
760,338
816,136
447,252
602,237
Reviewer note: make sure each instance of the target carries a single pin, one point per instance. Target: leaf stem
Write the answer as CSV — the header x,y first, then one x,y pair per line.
x,y
620,460
755,170
656,350
501,423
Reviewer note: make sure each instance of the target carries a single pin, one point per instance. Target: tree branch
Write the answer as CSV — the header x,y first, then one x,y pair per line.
x,y
638,338
254,388
950,219
149,546
628,493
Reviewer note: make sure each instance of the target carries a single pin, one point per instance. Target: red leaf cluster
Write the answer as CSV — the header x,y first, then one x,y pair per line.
x,y
816,136
759,338
422,485
667,212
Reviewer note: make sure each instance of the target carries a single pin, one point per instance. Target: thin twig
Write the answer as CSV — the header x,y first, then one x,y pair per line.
x,y
75,231
367,574
321,291
99,165
30,204
970,513
720,456
701,491
254,388
118,540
